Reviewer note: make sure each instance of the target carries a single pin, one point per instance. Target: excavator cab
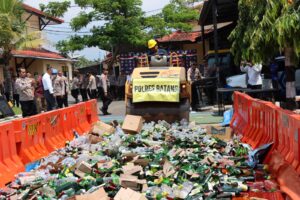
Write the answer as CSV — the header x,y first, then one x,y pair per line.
x,y
158,89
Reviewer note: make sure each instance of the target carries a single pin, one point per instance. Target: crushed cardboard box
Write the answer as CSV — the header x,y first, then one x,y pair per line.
x,y
100,128
128,194
133,124
132,182
83,168
97,195
168,169
130,168
223,133
93,139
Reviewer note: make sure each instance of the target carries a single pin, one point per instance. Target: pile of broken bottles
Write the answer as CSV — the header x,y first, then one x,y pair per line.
x,y
163,161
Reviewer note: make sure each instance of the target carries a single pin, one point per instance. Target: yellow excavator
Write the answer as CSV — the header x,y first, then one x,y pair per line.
x,y
158,90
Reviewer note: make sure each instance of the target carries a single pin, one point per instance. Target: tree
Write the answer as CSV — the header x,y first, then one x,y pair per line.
x,y
83,62
125,25
266,28
13,35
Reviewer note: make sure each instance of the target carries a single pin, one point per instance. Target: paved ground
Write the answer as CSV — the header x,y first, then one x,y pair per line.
x,y
117,109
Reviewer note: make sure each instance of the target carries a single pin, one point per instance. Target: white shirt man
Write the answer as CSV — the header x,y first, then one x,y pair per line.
x,y
47,83
48,89
254,75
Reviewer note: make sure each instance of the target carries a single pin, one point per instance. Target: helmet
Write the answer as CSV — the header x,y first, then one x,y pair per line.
x,y
152,43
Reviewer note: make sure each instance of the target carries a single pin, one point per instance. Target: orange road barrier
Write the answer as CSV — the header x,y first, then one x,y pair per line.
x,y
270,122
293,156
30,131
270,129
68,122
92,111
10,163
236,115
81,118
257,119
285,125
241,116
289,181
54,134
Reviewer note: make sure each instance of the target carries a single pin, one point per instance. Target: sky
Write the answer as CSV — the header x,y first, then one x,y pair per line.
x,y
149,6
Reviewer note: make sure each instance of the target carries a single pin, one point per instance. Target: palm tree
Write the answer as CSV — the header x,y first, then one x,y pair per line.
x,y
13,35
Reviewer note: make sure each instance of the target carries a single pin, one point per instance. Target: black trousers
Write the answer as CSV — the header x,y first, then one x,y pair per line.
x,y
106,100
17,100
195,99
121,92
83,93
7,96
60,101
92,94
113,91
28,108
65,100
75,94
254,87
50,100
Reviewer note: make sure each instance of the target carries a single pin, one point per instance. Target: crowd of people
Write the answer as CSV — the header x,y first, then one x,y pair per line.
x,y
51,90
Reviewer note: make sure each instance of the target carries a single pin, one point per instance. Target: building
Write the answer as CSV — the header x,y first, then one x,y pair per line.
x,y
37,60
221,16
179,40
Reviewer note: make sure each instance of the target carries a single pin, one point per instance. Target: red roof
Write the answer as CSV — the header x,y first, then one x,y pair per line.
x,y
41,13
179,36
38,53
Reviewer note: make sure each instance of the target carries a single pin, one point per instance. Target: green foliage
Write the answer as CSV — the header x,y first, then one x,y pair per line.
x,y
177,14
11,25
56,9
124,24
83,62
265,28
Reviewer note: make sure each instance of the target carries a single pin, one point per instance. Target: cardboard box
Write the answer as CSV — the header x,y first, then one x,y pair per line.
x,y
132,182
130,168
223,133
128,194
95,139
133,124
97,195
100,128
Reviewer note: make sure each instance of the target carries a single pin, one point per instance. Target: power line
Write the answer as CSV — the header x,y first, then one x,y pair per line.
x,y
57,31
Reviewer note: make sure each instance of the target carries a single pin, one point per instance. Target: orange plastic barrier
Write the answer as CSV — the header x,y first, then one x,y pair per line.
x,y
289,181
80,118
54,134
261,122
68,121
236,115
257,123
285,126
10,163
241,114
92,111
30,131
293,157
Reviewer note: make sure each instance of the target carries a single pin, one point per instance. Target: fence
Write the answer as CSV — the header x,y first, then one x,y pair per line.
x,y
27,140
260,122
